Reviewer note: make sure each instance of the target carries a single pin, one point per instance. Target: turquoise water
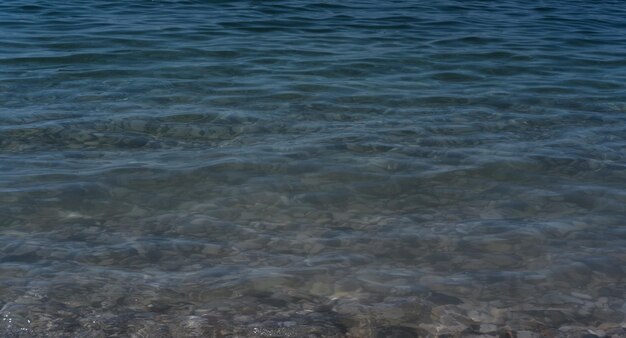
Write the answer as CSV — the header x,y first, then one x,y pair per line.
x,y
312,169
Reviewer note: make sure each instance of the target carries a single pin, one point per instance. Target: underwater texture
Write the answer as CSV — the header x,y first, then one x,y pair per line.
x,y
312,168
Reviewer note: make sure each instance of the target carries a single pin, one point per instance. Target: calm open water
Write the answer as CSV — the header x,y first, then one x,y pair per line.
x,y
312,168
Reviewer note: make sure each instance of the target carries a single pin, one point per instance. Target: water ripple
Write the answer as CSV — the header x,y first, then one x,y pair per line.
x,y
319,169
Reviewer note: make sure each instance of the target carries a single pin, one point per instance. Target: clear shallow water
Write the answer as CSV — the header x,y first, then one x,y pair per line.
x,y
296,168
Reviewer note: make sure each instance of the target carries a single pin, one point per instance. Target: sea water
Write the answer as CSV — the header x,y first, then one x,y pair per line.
x,y
312,168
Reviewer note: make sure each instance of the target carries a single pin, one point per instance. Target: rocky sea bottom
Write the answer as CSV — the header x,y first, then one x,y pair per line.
x,y
363,169
309,273
275,229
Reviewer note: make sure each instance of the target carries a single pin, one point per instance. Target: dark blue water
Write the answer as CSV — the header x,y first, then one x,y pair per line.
x,y
312,169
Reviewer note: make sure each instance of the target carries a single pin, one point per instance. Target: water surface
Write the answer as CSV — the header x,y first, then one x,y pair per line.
x,y
312,169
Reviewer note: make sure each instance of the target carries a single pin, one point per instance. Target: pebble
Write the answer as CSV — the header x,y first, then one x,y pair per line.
x,y
212,249
487,328
526,334
321,289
